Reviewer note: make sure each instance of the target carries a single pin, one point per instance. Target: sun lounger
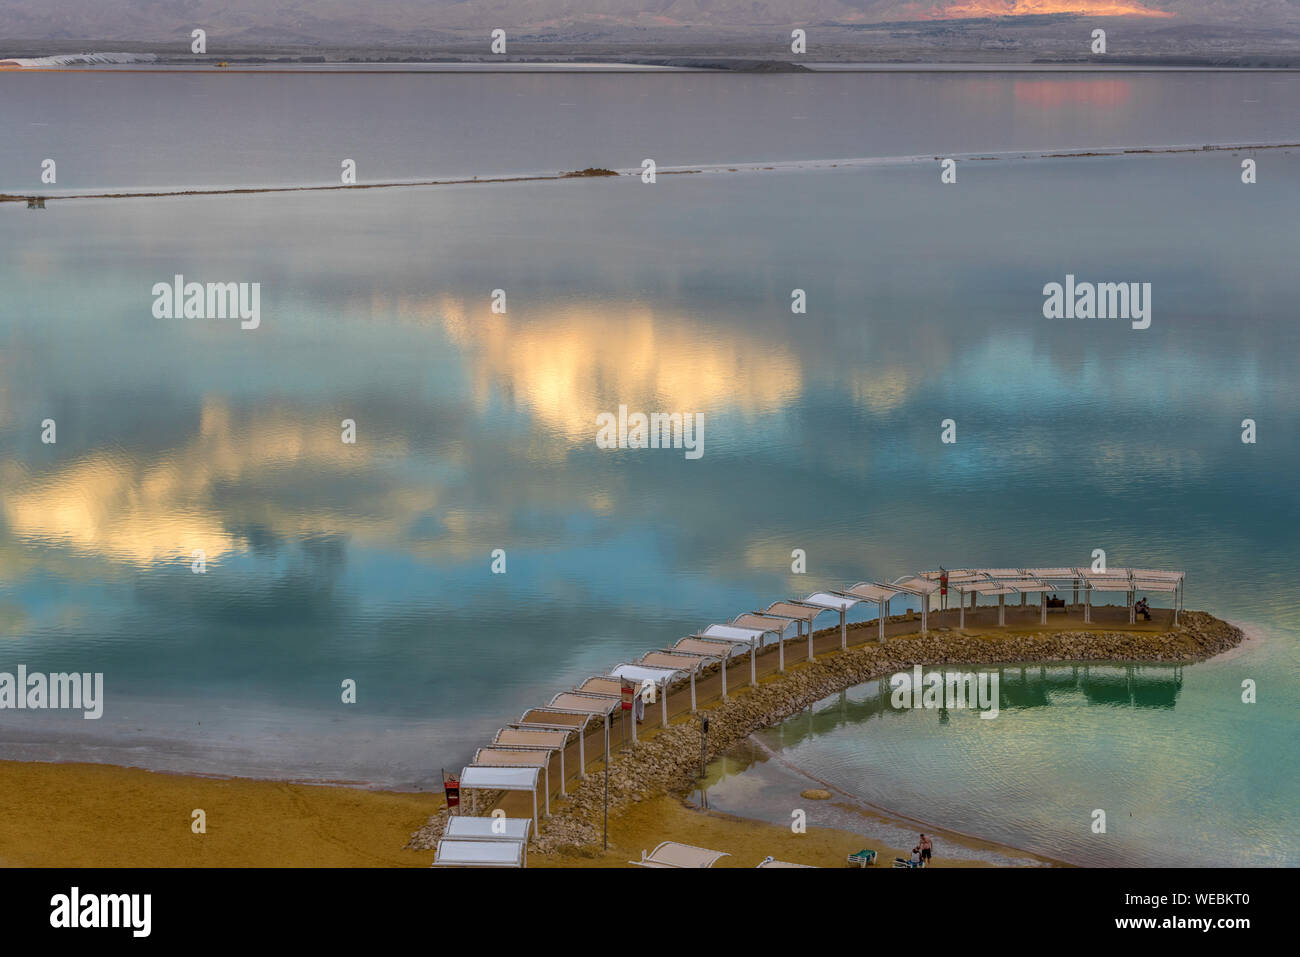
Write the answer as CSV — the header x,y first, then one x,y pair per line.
x,y
861,858
672,854
773,862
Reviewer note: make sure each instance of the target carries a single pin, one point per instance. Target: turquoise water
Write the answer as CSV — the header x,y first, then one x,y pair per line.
x,y
1068,740
475,431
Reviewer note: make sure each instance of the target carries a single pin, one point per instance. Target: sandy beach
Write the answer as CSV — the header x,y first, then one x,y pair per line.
x,y
88,815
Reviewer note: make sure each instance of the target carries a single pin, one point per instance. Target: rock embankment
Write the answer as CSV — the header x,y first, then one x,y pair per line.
x,y
669,760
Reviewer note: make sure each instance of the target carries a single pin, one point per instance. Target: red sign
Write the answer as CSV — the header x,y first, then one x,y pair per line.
x,y
451,787
943,584
628,692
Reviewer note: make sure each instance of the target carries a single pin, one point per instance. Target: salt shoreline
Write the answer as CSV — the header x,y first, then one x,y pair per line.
x,y
868,162
666,763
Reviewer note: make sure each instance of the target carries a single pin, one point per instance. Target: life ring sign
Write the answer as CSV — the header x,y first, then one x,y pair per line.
x,y
451,788
943,583
629,693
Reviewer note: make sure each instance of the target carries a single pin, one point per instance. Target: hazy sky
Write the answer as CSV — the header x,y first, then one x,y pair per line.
x,y
397,22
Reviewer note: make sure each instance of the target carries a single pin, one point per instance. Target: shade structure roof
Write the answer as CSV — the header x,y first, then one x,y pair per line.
x,y
1059,572
532,738
1155,574
955,574
710,648
832,601
917,584
1031,586
761,622
602,684
452,852
668,659
463,826
551,717
1158,584
985,587
1109,583
499,778
500,757
737,646
640,673
731,631
872,591
673,854
583,701
790,609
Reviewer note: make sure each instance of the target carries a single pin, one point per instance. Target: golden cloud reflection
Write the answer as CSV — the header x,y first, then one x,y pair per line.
x,y
882,390
161,508
567,365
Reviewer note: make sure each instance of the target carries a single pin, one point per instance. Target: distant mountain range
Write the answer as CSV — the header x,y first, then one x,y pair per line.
x,y
406,23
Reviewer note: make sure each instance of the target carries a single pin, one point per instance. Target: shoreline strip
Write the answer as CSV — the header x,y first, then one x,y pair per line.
x,y
778,165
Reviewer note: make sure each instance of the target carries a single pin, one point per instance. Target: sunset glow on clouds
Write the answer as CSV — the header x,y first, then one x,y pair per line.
x,y
1019,8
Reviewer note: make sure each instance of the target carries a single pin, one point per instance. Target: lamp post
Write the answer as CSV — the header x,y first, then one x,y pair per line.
x,y
606,785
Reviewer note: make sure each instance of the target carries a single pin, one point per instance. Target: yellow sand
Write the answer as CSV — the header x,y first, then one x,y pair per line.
x,y
90,815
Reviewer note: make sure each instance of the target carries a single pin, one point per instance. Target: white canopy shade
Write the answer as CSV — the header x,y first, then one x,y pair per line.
x,y
492,778
731,631
459,853
833,602
639,673
499,778
474,828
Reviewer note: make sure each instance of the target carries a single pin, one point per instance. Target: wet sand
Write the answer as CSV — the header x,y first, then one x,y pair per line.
x,y
646,824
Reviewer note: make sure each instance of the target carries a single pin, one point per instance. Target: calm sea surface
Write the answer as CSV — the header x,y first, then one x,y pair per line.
x,y
475,431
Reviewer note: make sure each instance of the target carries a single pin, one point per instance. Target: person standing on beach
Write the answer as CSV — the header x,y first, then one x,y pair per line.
x,y
926,846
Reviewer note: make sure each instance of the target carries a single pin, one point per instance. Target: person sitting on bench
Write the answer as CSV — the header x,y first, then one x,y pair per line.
x,y
1144,609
